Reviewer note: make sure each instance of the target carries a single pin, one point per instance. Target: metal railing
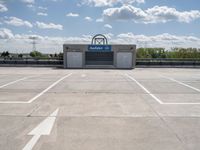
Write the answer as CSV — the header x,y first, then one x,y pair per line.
x,y
139,61
168,61
30,61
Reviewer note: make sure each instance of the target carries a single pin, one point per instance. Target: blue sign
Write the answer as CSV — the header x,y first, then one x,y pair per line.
x,y
100,48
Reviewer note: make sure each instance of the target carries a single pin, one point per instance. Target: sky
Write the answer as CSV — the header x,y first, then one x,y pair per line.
x,y
146,23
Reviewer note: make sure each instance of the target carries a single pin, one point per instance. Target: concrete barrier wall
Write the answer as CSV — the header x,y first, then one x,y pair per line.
x,y
50,63
139,62
168,62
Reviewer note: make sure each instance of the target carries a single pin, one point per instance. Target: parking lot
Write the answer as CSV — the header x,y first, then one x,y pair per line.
x,y
57,109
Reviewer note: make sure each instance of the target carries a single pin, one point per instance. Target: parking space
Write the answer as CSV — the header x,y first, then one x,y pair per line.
x,y
114,133
96,83
93,104
139,109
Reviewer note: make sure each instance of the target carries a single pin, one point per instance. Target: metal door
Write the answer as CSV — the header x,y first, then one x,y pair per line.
x,y
74,59
124,60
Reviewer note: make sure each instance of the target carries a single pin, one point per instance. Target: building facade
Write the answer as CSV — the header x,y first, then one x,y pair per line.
x,y
99,54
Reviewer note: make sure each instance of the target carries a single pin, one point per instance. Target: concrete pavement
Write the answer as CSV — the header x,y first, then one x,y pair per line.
x,y
101,109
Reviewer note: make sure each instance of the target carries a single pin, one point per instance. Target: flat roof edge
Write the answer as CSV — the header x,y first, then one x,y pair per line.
x,y
106,44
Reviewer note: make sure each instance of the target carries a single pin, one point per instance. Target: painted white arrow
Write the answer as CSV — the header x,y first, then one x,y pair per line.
x,y
44,128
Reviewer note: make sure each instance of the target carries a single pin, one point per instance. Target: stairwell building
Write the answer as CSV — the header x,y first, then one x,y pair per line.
x,y
99,54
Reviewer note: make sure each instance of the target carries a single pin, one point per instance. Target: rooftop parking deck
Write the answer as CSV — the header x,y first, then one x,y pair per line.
x,y
57,109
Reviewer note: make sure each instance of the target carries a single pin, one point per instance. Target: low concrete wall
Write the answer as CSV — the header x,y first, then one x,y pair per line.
x,y
39,63
139,63
168,62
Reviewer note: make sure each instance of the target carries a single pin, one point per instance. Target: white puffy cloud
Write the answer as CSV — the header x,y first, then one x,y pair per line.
x,y
99,20
14,42
42,14
22,43
43,25
6,33
88,18
30,6
164,14
72,15
28,1
14,21
157,14
125,12
165,40
54,0
42,8
102,3
143,38
3,8
108,26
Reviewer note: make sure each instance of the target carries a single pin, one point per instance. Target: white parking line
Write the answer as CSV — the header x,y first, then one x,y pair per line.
x,y
38,95
181,104
13,82
181,83
44,128
186,85
147,91
51,86
83,75
158,100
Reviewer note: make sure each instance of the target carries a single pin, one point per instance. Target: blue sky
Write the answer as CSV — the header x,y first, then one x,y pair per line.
x,y
150,23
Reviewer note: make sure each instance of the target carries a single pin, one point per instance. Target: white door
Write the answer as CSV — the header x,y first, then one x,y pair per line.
x,y
124,60
74,59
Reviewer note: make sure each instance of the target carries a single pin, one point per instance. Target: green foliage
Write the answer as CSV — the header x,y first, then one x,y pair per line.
x,y
60,56
51,55
55,55
173,53
5,54
36,54
184,53
151,53
20,55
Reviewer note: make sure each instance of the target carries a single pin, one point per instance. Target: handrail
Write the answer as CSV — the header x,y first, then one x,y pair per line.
x,y
168,59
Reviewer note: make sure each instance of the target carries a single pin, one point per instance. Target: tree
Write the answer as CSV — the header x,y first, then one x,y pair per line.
x,y
151,53
36,54
20,55
60,56
5,54
51,55
173,53
55,55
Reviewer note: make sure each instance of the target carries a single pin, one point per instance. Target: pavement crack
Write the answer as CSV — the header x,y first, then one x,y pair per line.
x,y
34,110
